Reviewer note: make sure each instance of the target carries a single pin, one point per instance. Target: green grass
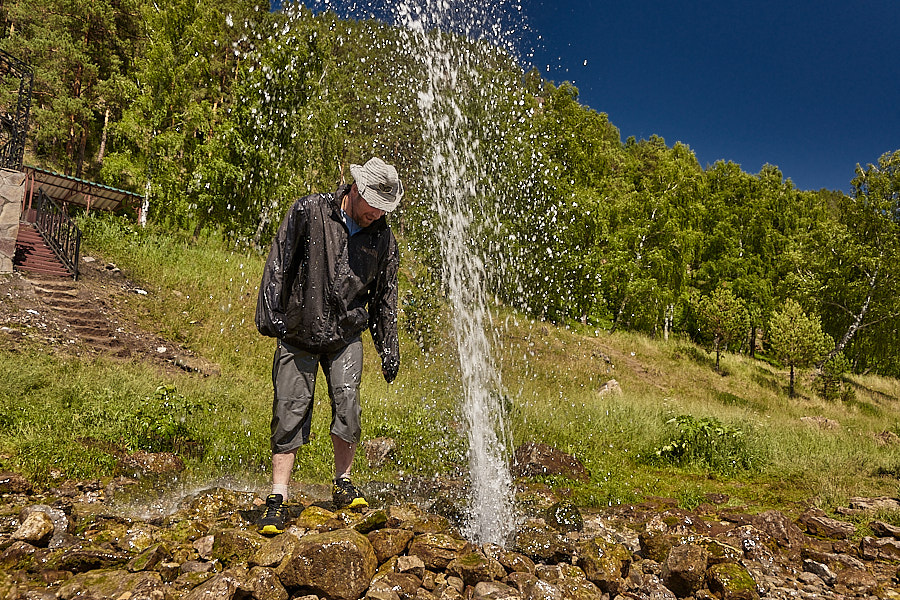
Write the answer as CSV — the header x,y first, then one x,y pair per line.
x,y
63,416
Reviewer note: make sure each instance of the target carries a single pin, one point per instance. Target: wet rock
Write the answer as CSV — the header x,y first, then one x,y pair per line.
x,y
142,464
555,573
514,561
820,570
375,519
273,550
390,542
106,584
427,523
564,516
204,547
817,523
232,546
541,543
403,585
650,587
534,459
604,563
13,483
22,556
655,545
398,514
494,590
339,565
82,560
579,589
437,550
684,570
214,504
475,567
227,585
531,587
266,585
731,581
36,529
378,450
313,517
149,558
61,523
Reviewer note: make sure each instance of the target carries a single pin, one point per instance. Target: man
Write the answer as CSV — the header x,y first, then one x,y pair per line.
x,y
331,273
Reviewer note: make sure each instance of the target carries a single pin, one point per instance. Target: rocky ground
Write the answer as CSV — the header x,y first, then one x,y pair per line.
x,y
84,540
81,540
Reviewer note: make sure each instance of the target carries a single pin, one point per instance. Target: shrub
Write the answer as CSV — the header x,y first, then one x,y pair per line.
x,y
707,443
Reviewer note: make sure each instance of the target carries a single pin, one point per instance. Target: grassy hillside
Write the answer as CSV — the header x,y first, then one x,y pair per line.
x,y
678,429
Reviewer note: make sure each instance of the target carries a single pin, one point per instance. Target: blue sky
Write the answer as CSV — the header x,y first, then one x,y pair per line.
x,y
812,87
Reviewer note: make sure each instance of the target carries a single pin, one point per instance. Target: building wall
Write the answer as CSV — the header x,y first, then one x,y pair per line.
x,y
12,192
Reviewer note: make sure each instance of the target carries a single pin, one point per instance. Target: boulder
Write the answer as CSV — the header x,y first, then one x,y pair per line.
x,y
475,567
265,584
530,587
684,570
494,590
13,483
106,584
541,543
389,542
437,550
534,460
604,563
871,548
564,516
232,546
731,581
337,564
817,523
36,529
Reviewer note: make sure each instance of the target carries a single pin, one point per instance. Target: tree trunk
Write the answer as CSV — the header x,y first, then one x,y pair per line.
x,y
791,388
857,323
102,151
716,342
82,145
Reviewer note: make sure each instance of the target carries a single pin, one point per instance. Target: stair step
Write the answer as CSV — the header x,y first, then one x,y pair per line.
x,y
33,256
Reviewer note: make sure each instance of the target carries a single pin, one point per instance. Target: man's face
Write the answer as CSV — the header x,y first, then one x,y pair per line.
x,y
362,213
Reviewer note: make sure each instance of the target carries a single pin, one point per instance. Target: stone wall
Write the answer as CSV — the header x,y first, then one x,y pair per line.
x,y
12,191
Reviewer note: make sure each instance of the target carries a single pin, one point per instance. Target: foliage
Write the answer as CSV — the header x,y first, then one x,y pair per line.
x,y
723,319
223,114
796,339
709,444
831,375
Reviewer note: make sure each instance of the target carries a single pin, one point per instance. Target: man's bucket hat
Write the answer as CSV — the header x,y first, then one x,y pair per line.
x,y
378,184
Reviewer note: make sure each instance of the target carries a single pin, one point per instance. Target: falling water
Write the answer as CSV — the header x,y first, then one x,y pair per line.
x,y
452,172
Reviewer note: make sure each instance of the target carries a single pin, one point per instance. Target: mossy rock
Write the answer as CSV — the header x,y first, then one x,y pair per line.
x,y
731,581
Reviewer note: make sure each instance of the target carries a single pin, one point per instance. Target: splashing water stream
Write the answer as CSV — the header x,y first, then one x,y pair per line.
x,y
452,171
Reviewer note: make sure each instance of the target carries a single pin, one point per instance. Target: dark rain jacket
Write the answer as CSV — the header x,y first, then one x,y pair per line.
x,y
321,287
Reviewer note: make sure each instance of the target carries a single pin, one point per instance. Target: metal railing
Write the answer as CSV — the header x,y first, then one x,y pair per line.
x,y
58,230
14,120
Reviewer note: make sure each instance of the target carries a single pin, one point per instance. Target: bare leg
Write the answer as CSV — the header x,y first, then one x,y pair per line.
x,y
343,456
282,464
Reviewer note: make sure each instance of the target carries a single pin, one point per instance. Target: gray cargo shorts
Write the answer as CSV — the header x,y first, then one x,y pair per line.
x,y
294,380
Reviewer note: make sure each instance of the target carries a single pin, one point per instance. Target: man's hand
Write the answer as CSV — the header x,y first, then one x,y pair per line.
x,y
389,367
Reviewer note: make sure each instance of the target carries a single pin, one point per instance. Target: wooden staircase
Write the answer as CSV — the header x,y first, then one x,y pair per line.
x,y
33,255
